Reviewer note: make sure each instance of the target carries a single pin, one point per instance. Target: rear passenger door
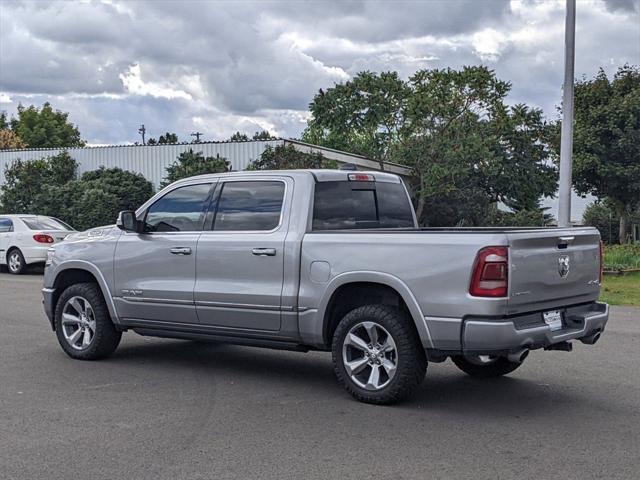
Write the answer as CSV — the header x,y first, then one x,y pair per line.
x,y
239,265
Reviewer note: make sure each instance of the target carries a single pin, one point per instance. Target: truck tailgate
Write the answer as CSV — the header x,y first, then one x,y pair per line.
x,y
553,268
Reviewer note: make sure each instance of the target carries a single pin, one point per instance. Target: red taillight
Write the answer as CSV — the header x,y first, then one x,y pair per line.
x,y
43,238
601,261
361,177
490,273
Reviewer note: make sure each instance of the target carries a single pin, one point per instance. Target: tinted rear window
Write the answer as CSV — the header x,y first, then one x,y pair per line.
x,y
348,205
44,223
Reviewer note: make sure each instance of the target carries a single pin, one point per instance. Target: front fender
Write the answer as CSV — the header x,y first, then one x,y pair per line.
x,y
51,276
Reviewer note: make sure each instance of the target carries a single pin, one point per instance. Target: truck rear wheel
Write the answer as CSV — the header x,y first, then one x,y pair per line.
x,y
485,366
83,324
377,354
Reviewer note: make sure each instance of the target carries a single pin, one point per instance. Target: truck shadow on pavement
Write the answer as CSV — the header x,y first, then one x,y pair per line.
x,y
311,375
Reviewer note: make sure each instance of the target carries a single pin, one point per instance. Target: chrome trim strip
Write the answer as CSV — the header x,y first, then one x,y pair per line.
x,y
156,300
243,306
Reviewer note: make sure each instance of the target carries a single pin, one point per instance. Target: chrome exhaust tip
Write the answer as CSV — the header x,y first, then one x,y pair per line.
x,y
519,356
591,339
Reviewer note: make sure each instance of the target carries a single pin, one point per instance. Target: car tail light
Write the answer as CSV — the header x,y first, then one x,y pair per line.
x,y
601,262
490,273
361,177
43,238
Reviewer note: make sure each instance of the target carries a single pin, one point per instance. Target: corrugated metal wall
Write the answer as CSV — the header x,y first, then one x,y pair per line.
x,y
149,160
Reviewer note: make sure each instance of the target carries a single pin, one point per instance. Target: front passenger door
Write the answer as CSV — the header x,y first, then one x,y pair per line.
x,y
155,271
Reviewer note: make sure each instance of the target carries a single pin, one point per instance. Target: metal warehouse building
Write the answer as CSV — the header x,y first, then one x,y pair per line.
x,y
152,160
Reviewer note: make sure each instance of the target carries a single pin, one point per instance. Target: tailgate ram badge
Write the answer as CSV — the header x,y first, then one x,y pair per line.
x,y
563,266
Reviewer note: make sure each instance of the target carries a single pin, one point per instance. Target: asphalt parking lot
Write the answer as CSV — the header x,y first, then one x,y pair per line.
x,y
178,409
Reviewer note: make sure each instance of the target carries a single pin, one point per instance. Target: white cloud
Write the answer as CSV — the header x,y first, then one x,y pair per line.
x,y
219,67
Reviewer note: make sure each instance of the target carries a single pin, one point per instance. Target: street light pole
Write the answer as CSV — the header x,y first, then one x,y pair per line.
x,y
566,139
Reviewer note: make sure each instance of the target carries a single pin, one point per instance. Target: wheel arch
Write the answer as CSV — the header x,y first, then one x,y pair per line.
x,y
351,290
79,272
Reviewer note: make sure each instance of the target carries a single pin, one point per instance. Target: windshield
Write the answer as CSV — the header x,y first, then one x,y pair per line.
x,y
45,223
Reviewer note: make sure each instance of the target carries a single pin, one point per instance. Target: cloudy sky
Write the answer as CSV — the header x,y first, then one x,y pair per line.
x,y
218,67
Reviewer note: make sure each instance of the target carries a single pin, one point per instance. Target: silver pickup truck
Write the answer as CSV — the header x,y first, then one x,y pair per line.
x,y
327,260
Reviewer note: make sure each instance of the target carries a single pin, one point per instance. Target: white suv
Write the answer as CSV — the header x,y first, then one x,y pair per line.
x,y
25,239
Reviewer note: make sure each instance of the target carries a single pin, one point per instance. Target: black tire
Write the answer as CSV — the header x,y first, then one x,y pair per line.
x,y
411,361
21,265
105,338
497,368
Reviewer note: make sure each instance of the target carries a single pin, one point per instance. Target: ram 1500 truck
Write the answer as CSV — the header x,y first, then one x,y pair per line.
x,y
328,260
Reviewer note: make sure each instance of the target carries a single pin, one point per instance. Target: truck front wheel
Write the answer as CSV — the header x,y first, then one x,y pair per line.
x,y
83,324
485,366
377,354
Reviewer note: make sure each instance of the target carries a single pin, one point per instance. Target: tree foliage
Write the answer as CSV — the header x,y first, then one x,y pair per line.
x,y
25,180
49,186
10,140
286,157
189,164
45,128
455,131
606,147
605,218
166,139
262,135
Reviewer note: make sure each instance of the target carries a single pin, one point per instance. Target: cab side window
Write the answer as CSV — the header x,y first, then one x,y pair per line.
x,y
248,205
180,210
6,225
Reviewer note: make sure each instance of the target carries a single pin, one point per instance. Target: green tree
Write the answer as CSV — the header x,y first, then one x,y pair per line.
x,y
45,128
239,137
286,157
366,115
24,181
49,186
604,217
131,189
452,127
189,164
166,139
10,140
606,148
263,135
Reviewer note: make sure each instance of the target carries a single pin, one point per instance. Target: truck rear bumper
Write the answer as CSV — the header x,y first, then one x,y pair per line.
x,y
584,322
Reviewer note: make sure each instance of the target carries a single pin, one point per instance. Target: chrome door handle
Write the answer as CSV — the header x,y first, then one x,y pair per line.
x,y
181,251
264,252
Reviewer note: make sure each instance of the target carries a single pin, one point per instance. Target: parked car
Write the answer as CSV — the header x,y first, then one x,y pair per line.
x,y
25,239
325,260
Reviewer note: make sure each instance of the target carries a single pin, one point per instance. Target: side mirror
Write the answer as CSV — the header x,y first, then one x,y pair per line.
x,y
128,222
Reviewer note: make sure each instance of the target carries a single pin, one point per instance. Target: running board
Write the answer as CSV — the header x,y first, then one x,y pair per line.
x,y
207,337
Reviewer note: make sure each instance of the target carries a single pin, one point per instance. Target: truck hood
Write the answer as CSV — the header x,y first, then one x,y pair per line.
x,y
93,234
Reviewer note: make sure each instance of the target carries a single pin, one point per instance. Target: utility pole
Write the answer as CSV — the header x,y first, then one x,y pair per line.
x,y
197,135
566,139
142,131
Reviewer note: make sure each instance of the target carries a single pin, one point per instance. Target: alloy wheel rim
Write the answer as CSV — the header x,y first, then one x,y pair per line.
x,y
14,262
78,323
370,356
